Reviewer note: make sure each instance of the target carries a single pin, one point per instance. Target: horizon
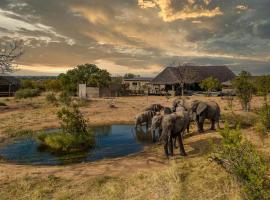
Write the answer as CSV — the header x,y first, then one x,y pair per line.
x,y
138,36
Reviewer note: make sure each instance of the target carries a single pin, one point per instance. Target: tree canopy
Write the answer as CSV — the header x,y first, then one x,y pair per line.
x,y
245,89
262,84
210,84
130,75
89,74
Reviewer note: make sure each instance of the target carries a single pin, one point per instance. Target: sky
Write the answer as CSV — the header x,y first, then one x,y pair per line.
x,y
137,36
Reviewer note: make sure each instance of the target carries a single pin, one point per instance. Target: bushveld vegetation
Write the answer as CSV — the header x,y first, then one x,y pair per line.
x,y
74,136
51,98
27,93
239,157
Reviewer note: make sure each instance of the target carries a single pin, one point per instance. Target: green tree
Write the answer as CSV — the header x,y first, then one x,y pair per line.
x,y
245,89
130,75
262,84
89,74
52,85
210,84
28,84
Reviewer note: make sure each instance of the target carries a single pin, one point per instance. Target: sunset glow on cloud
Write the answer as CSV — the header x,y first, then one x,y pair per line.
x,y
139,36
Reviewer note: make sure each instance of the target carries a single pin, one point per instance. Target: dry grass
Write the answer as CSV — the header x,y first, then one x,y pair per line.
x,y
194,179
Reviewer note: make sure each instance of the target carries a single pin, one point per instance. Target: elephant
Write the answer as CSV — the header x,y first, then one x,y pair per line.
x,y
205,110
154,108
180,109
171,126
167,110
144,117
186,104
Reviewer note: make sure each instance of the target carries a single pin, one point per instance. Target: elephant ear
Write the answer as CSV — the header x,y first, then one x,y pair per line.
x,y
201,107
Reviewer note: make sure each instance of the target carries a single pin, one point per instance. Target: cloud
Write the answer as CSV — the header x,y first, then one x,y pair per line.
x,y
188,10
16,25
135,35
241,7
93,15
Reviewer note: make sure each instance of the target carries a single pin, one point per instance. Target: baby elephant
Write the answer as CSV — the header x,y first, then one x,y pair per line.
x,y
144,118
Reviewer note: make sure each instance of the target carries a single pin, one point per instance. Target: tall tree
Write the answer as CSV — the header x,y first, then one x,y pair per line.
x,y
9,52
245,89
89,74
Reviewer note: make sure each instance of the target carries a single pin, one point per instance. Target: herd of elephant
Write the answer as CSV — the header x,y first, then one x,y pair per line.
x,y
172,123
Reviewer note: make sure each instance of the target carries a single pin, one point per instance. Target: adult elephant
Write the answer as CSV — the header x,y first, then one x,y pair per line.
x,y
154,108
205,110
171,127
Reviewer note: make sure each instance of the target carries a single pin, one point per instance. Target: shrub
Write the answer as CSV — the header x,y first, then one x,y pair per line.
x,y
74,135
237,119
63,142
28,84
263,122
65,98
72,121
51,98
27,93
239,157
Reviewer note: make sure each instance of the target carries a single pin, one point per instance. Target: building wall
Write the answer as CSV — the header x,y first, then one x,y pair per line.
x,y
136,85
95,92
92,92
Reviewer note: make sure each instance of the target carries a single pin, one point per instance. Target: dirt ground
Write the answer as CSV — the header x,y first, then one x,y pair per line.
x,y
37,114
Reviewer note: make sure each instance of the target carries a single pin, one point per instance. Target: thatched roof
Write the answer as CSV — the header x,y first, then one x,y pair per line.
x,y
172,75
6,80
141,79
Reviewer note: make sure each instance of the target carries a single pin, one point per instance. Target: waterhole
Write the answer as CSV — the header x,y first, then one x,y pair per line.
x,y
111,141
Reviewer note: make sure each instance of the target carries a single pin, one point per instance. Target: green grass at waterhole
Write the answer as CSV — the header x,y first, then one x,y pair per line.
x,y
65,142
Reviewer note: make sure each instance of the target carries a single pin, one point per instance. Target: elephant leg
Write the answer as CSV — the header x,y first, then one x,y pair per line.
x,y
175,141
171,145
146,126
201,122
213,124
153,136
159,133
166,148
181,145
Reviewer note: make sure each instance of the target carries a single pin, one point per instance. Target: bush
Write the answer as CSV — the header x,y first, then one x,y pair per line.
x,y
27,93
51,98
72,121
74,135
244,121
239,157
63,142
263,122
28,84
65,98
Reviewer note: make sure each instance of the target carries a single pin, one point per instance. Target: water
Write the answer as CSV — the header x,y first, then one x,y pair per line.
x,y
111,142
